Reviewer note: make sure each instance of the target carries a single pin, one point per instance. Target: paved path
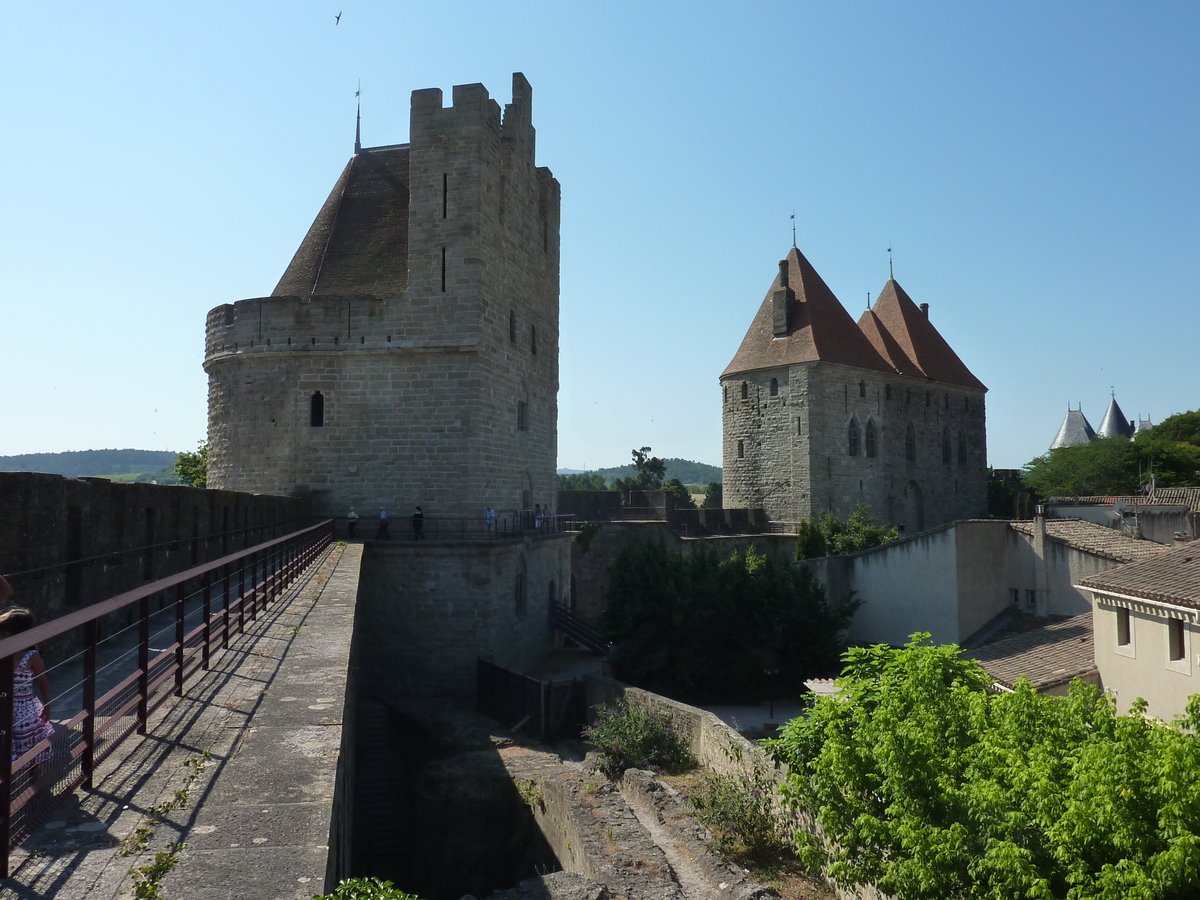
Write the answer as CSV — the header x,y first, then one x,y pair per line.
x,y
256,824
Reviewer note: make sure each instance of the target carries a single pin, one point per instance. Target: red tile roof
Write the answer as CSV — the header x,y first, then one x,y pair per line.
x,y
1095,539
819,328
1189,497
921,343
1172,577
1046,651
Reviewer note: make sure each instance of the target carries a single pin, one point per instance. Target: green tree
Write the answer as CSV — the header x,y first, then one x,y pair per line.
x,y
928,785
648,474
192,468
831,536
694,625
582,481
714,496
677,489
1171,450
1103,466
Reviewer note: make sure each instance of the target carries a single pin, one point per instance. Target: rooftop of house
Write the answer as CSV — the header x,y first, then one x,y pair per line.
x,y
893,337
1098,540
1075,430
358,243
1171,577
1047,651
1189,497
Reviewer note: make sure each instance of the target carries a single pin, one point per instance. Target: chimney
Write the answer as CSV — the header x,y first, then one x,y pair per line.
x,y
1041,563
925,311
784,301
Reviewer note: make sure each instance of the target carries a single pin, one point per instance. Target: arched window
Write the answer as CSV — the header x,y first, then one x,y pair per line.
x,y
725,394
745,390
862,389
870,437
852,438
910,443
316,410
946,446
962,448
774,387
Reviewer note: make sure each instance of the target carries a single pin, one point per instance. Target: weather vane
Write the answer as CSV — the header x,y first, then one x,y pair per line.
x,y
793,227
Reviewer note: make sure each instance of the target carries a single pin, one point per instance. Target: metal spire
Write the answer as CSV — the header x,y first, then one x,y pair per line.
x,y
358,120
891,274
793,228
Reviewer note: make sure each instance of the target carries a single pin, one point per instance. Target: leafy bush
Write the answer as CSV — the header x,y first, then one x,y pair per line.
x,y
694,626
831,536
629,736
744,817
366,889
928,786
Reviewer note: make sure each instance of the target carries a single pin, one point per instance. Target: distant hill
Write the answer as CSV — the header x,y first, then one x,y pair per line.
x,y
685,470
75,463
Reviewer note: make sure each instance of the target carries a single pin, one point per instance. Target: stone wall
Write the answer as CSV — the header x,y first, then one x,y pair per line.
x,y
427,611
48,521
443,395
788,452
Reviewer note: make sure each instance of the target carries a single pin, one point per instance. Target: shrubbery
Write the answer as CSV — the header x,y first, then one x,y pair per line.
x,y
629,736
366,889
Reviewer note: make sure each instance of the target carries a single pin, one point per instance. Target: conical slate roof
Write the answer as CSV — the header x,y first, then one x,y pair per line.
x,y
1075,430
358,244
1115,424
914,335
819,328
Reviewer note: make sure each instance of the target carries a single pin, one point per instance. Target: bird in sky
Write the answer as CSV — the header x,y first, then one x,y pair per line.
x,y
337,20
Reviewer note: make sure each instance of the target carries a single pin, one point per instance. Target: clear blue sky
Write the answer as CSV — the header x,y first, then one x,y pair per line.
x,y
1034,166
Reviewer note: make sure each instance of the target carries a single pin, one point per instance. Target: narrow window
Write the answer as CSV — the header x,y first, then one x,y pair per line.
x,y
519,594
1123,627
522,416
908,395
445,193
852,438
443,270
741,449
316,410
512,327
910,443
962,448
545,237
946,446
1031,599
928,395
725,393
799,428
862,389
870,437
533,339
966,404
745,390
887,392
774,387
946,398
1015,595
1175,638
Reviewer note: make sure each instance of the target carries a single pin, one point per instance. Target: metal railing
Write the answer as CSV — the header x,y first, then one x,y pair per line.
x,y
576,628
508,527
125,677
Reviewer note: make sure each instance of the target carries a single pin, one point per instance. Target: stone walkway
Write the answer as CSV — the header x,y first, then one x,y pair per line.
x,y
256,822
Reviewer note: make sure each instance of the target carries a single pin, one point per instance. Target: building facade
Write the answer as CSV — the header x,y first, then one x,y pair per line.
x,y
409,357
821,413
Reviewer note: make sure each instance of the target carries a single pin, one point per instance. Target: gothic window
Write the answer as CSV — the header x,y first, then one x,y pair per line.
x,y
946,446
316,410
910,443
745,390
522,416
512,327
741,449
852,438
774,387
862,389
870,441
962,448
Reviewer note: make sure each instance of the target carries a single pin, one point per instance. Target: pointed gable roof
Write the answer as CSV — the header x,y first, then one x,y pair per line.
x,y
1115,424
358,244
1075,430
819,328
911,331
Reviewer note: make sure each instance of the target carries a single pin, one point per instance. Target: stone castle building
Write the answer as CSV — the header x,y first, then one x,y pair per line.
x,y
821,413
409,356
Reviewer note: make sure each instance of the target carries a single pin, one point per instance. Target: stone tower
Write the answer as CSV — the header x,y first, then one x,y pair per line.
x,y
821,413
409,354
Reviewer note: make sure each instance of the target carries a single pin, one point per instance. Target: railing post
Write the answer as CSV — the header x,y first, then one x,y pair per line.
x,y
88,761
143,663
6,736
225,611
254,581
242,595
180,604
207,652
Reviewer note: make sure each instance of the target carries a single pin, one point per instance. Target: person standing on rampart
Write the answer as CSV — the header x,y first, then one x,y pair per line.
x,y
351,521
418,525
489,522
383,525
30,713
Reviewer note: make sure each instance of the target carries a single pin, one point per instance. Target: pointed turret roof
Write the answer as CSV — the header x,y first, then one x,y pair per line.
x,y
358,244
819,328
1115,424
1075,430
914,342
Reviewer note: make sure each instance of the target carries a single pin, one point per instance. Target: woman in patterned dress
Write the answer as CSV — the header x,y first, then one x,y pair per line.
x,y
31,714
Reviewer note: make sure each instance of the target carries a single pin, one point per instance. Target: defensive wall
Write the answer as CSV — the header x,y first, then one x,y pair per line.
x,y
69,542
787,451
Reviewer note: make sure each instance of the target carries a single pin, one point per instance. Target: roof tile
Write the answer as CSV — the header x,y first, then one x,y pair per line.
x,y
1172,577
